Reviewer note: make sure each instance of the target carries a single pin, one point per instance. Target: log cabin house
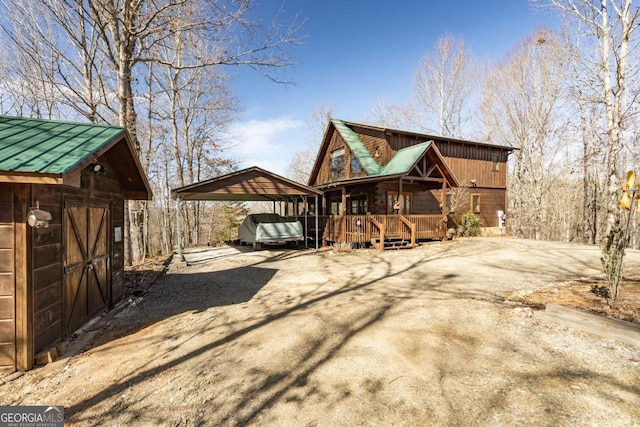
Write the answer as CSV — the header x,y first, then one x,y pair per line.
x,y
391,188
62,192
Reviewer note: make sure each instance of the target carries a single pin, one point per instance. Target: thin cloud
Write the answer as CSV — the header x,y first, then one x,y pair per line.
x,y
265,143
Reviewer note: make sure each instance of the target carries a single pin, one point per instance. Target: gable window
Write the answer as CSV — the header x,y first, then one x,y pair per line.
x,y
337,163
494,162
475,203
392,201
355,166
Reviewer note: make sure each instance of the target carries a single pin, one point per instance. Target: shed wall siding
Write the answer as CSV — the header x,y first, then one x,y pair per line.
x,y
7,280
47,252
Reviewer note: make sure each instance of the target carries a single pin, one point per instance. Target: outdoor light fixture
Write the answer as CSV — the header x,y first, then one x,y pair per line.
x,y
38,218
473,182
97,168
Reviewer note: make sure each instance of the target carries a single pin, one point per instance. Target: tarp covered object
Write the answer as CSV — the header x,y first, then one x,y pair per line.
x,y
269,228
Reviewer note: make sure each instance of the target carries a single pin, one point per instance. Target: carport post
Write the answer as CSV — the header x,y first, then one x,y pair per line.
x,y
179,229
316,214
306,222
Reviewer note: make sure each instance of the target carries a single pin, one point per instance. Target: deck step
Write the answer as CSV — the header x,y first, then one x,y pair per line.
x,y
397,244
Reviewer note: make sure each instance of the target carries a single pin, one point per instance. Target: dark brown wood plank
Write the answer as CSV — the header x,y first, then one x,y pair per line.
x,y
6,193
47,255
45,318
6,212
47,236
46,276
43,298
49,336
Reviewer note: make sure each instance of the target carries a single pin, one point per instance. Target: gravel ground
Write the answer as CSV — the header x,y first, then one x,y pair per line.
x,y
304,338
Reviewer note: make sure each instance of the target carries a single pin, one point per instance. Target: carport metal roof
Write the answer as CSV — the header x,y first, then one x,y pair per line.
x,y
252,184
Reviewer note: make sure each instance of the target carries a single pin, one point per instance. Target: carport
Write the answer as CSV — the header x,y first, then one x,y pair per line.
x,y
247,185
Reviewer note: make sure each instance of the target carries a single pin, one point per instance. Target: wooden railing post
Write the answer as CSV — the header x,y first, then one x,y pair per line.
x,y
381,226
412,229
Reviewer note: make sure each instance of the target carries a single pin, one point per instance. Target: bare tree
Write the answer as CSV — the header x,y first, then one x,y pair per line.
x,y
58,47
445,83
611,26
521,106
302,162
96,49
387,113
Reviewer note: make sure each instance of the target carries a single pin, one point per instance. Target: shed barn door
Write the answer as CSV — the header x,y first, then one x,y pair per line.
x,y
86,282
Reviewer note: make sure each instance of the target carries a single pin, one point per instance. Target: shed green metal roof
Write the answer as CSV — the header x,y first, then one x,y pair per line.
x,y
400,163
45,146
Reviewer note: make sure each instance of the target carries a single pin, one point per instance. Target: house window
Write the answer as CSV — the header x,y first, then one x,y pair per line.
x,y
358,204
392,198
475,203
336,207
337,163
494,162
355,166
448,200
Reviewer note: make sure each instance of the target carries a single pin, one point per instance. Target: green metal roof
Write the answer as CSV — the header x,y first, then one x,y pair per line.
x,y
400,163
46,146
404,159
357,148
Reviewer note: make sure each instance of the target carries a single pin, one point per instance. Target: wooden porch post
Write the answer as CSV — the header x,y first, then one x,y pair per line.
x,y
343,211
316,215
400,198
444,198
306,222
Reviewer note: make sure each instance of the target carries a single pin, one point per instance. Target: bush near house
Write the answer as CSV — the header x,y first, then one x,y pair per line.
x,y
468,225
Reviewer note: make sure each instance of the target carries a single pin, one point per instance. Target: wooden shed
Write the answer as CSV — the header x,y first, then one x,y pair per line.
x,y
62,192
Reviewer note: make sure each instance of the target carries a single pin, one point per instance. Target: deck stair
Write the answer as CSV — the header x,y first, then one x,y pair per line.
x,y
397,243
392,243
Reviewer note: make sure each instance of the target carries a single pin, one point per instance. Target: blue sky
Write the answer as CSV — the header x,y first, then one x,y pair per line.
x,y
357,52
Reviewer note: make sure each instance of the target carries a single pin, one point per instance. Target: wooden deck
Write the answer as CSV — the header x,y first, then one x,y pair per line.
x,y
384,230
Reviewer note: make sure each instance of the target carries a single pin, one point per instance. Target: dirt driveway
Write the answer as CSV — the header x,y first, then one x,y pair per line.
x,y
303,338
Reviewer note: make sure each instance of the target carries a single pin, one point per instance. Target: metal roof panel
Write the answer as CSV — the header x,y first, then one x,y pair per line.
x,y
44,146
405,159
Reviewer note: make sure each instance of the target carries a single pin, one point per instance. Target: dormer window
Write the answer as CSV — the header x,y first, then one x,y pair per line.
x,y
337,163
355,166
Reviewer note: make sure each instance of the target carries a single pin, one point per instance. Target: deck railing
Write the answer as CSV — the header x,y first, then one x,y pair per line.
x,y
429,226
364,228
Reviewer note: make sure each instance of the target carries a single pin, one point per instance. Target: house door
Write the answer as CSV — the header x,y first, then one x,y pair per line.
x,y
87,263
